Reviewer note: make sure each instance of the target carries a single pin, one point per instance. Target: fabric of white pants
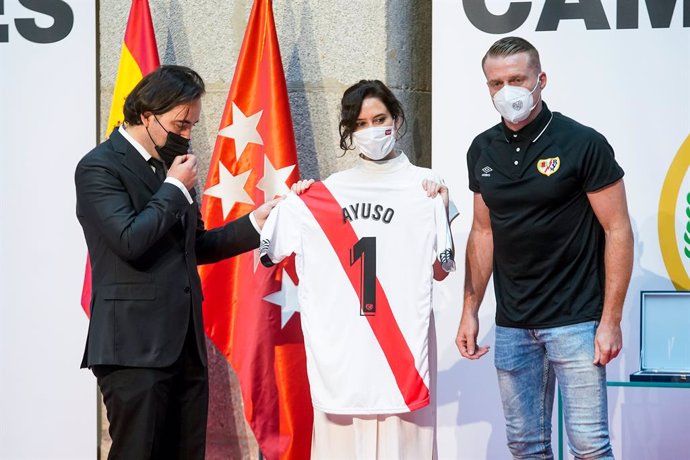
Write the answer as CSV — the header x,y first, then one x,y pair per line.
x,y
375,437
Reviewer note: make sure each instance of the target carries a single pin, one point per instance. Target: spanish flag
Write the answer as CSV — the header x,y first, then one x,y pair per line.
x,y
139,57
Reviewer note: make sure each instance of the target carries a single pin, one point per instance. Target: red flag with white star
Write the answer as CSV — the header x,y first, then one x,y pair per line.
x,y
251,312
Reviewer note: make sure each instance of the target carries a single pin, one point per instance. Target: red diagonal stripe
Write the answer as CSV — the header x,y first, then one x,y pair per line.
x,y
328,213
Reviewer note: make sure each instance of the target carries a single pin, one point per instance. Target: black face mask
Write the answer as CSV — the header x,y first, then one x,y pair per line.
x,y
175,145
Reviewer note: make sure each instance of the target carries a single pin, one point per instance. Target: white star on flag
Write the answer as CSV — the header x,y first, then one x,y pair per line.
x,y
286,298
243,130
230,189
273,181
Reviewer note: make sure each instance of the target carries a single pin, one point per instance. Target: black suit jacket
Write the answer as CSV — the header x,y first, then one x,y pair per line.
x,y
144,258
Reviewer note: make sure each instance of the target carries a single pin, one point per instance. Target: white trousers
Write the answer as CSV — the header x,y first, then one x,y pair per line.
x,y
375,437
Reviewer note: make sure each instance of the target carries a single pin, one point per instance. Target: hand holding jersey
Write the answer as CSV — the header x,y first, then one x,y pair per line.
x,y
431,188
375,235
365,241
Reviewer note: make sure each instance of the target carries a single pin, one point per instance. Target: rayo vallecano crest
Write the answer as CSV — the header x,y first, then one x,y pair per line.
x,y
548,166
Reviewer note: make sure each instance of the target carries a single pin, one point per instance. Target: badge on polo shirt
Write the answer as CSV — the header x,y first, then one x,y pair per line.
x,y
548,166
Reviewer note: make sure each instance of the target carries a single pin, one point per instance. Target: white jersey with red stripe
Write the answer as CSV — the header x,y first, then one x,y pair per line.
x,y
365,241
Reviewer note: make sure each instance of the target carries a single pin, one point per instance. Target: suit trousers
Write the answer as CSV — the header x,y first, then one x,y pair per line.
x,y
157,413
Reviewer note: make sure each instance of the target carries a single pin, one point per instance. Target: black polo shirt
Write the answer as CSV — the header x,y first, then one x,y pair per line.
x,y
548,253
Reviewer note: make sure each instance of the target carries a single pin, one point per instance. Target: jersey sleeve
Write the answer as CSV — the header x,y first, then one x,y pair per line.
x,y
599,168
280,235
444,239
472,157
453,211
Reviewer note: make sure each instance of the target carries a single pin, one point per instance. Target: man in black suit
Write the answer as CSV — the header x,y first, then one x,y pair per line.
x,y
137,205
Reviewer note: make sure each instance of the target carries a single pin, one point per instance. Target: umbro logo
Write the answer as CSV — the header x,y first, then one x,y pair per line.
x,y
486,170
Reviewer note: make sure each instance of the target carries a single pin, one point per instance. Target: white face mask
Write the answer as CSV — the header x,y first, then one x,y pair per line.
x,y
375,142
515,103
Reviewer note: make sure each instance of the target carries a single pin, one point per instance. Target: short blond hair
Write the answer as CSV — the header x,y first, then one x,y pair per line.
x,y
509,46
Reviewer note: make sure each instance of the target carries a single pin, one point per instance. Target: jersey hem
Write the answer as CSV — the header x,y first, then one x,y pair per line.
x,y
547,325
361,411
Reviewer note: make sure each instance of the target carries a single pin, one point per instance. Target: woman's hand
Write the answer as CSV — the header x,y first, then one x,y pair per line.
x,y
301,186
434,188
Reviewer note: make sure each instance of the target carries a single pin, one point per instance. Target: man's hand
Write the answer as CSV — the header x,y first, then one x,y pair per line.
x,y
466,339
185,169
301,186
434,188
261,213
608,342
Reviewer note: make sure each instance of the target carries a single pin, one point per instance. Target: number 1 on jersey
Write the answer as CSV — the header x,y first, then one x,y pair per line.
x,y
365,250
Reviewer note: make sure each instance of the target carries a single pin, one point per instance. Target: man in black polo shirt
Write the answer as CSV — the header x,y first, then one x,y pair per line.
x,y
551,223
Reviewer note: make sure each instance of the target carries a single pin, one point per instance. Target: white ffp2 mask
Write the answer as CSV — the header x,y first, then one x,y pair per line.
x,y
375,142
515,103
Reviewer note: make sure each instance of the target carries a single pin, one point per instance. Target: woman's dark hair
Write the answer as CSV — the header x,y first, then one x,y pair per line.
x,y
162,90
351,105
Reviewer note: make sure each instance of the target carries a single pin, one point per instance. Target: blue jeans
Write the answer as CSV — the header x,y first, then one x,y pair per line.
x,y
528,362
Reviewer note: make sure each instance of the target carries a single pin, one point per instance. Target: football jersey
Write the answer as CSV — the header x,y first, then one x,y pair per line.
x,y
365,241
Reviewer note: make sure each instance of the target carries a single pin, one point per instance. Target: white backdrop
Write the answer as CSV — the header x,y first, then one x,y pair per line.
x,y
47,122
633,86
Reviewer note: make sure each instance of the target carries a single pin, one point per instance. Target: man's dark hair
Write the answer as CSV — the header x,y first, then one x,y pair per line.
x,y
351,105
162,90
509,46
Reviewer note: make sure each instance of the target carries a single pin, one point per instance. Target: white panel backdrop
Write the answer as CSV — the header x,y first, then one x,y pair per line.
x,y
633,86
47,122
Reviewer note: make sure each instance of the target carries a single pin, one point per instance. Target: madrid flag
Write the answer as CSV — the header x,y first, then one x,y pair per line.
x,y
139,57
251,312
